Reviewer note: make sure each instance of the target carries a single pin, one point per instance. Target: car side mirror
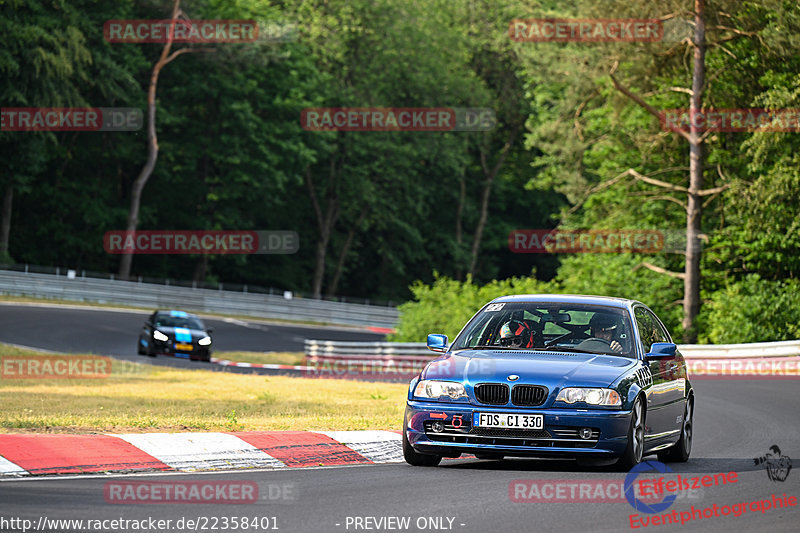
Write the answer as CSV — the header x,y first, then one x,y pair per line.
x,y
209,330
437,342
662,350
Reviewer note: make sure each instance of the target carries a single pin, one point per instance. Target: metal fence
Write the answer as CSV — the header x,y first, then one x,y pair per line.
x,y
321,350
154,296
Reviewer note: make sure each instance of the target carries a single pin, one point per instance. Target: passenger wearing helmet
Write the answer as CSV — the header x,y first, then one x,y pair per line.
x,y
516,334
605,327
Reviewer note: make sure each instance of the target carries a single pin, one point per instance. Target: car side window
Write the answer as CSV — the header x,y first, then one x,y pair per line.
x,y
644,322
650,329
659,334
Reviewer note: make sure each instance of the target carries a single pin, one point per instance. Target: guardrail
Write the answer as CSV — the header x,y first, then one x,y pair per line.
x,y
154,296
321,350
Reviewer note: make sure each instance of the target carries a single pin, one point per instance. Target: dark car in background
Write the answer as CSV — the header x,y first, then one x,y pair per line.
x,y
175,333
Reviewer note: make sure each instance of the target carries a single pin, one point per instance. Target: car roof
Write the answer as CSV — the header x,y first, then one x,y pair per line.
x,y
608,301
177,314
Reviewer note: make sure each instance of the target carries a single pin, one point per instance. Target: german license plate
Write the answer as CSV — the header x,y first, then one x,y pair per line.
x,y
183,346
508,420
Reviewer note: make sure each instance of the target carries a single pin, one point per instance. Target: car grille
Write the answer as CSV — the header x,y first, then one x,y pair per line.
x,y
528,395
492,393
556,437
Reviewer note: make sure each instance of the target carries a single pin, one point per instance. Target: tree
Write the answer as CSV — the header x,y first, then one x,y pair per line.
x,y
152,139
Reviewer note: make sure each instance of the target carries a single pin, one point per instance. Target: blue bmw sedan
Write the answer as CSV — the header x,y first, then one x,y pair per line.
x,y
584,377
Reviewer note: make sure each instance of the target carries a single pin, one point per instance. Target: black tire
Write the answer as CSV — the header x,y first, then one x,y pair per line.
x,y
415,458
139,349
635,449
679,452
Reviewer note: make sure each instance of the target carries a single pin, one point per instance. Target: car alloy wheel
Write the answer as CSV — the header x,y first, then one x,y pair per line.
x,y
680,451
634,451
638,431
688,427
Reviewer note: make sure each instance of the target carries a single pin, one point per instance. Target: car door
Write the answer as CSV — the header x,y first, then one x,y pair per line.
x,y
147,329
666,394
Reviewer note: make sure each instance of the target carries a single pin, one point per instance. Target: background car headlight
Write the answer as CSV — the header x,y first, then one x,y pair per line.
x,y
205,341
157,335
435,389
592,396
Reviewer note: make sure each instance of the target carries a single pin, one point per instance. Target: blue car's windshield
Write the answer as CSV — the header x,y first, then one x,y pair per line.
x,y
552,326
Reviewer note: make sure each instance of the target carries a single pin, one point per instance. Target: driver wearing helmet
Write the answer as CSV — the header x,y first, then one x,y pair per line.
x,y
605,327
516,334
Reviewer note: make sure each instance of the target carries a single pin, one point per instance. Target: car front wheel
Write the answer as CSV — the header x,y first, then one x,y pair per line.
x,y
415,458
635,449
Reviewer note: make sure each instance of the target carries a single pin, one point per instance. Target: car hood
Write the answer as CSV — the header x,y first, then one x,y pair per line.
x,y
170,332
551,369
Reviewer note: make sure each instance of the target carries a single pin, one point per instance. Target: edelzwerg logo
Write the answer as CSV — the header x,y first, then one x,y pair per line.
x,y
778,465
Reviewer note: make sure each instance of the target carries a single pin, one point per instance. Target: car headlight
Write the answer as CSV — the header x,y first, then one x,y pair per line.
x,y
157,335
429,388
592,396
205,341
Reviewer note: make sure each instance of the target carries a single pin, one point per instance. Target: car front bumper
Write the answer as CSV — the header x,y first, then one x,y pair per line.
x,y
559,438
202,353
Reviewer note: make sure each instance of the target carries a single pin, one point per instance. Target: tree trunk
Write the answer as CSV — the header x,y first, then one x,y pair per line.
x,y
462,197
343,253
490,175
200,269
5,224
325,223
694,212
152,144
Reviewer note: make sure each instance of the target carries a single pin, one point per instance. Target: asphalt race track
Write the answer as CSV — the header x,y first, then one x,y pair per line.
x,y
115,333
735,422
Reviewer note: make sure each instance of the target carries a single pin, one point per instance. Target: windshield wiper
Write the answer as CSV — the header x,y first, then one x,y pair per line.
x,y
485,347
565,349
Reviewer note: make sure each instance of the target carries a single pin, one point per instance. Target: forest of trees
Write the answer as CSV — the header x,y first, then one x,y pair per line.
x,y
420,215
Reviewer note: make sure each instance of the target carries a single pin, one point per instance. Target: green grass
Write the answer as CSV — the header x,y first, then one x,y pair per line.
x,y
143,398
273,358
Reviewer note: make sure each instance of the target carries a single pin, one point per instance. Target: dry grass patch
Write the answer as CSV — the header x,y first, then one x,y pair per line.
x,y
140,398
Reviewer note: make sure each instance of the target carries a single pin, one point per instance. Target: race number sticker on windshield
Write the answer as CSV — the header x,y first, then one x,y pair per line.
x,y
494,307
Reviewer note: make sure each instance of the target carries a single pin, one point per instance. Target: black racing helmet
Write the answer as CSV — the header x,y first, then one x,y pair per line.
x,y
604,322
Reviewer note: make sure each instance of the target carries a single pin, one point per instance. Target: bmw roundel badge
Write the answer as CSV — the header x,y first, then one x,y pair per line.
x,y
512,377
